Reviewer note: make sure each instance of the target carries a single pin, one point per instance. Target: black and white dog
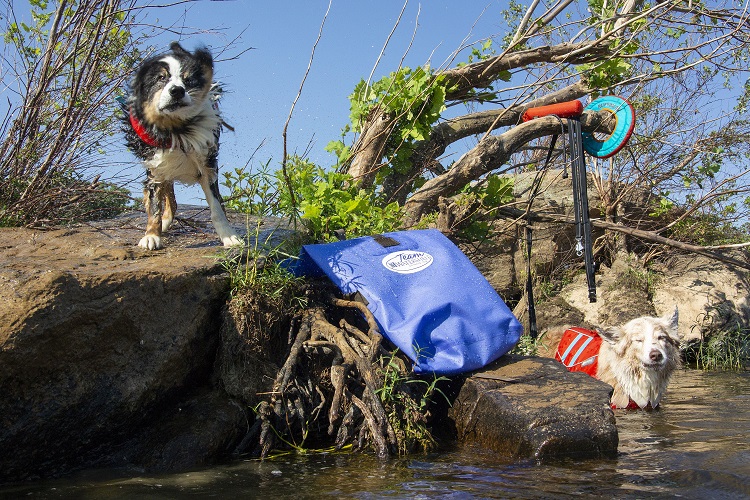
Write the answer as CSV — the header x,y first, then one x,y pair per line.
x,y
172,123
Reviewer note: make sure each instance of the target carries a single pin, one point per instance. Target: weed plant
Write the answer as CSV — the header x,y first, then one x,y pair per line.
x,y
527,346
260,268
406,401
722,350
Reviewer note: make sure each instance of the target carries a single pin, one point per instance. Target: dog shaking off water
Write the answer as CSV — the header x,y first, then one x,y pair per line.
x,y
636,359
172,123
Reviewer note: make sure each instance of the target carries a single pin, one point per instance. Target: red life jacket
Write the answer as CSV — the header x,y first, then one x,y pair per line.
x,y
578,350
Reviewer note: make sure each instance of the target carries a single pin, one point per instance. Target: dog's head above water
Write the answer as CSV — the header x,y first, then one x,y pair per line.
x,y
647,341
173,87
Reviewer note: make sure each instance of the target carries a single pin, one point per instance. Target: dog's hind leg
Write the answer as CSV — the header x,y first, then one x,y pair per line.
x,y
170,206
153,202
227,235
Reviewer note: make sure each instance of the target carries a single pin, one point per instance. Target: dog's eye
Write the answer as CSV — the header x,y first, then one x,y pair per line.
x,y
190,81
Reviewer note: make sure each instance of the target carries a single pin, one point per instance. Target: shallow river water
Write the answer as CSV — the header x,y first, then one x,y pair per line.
x,y
696,446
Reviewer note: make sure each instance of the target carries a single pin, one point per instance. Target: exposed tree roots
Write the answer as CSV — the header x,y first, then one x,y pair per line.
x,y
340,385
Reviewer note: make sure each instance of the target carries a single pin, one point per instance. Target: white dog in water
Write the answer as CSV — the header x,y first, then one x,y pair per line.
x,y
636,359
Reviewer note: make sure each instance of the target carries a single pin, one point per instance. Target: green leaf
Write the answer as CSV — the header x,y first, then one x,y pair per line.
x,y
355,205
310,211
499,191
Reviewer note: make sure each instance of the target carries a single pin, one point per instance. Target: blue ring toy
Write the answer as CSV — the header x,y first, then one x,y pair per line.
x,y
625,122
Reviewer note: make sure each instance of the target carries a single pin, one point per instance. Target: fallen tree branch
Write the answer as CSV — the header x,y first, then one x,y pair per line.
x,y
464,80
490,154
638,233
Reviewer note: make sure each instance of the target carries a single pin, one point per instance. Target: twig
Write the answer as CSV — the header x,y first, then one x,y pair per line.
x,y
291,111
387,40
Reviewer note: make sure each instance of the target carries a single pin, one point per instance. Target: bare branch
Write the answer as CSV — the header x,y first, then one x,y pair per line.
x,y
285,156
464,80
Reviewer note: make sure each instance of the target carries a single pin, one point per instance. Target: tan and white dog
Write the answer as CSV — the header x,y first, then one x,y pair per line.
x,y
636,359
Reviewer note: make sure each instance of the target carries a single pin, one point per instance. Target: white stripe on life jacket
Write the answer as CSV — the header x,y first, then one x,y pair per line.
x,y
577,347
580,351
570,348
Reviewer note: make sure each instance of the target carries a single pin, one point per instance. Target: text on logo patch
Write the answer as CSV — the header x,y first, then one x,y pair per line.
x,y
407,261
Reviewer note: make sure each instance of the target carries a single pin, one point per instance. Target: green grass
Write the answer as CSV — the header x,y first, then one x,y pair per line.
x,y
723,350
258,268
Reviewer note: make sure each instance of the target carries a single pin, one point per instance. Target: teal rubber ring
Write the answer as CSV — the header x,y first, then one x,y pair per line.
x,y
624,126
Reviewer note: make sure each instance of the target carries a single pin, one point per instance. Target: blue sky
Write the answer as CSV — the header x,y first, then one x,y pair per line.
x,y
264,81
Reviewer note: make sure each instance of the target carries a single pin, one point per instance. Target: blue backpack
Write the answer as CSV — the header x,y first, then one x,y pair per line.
x,y
427,297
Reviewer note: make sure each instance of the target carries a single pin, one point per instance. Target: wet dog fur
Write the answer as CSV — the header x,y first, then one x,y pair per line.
x,y
172,123
637,359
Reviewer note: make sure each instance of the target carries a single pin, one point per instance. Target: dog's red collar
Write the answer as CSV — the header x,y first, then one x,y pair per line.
x,y
141,131
632,405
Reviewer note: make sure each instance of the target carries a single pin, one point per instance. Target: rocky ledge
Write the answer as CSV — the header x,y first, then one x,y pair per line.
x,y
108,357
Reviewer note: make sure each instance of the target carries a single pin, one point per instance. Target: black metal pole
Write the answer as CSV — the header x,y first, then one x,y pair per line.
x,y
584,243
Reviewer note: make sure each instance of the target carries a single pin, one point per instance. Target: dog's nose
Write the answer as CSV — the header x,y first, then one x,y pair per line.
x,y
656,356
177,92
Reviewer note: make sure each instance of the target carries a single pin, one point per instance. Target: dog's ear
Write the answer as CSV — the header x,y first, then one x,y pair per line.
x,y
177,49
203,56
674,320
674,331
611,335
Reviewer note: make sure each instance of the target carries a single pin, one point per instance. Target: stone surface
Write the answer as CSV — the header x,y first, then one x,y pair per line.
x,y
711,296
98,337
525,407
194,433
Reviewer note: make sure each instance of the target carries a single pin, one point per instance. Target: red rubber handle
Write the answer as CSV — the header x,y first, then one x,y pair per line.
x,y
567,109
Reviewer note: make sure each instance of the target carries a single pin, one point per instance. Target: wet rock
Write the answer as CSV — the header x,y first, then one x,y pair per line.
x,y
194,433
525,407
90,346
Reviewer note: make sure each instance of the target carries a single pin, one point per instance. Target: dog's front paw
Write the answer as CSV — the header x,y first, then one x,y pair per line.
x,y
233,241
150,242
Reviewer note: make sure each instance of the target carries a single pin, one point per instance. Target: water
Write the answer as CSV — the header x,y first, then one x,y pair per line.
x,y
696,446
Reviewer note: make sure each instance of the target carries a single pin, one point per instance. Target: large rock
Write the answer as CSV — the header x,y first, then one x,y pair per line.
x,y
711,296
196,432
526,407
99,338
502,259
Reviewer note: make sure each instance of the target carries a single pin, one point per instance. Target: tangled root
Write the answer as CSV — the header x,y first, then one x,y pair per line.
x,y
339,382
